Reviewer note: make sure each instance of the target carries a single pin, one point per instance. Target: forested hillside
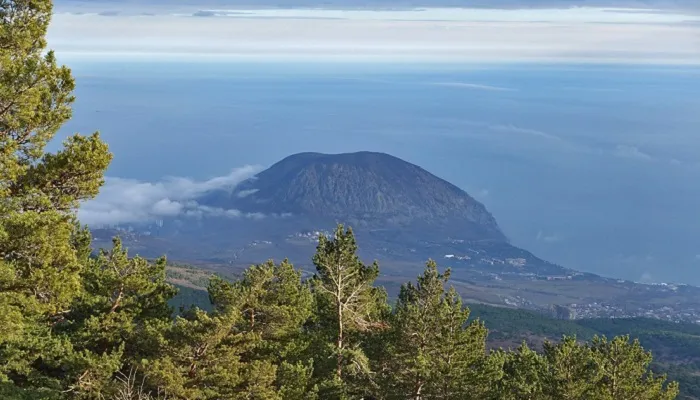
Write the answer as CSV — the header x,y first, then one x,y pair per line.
x,y
675,346
75,325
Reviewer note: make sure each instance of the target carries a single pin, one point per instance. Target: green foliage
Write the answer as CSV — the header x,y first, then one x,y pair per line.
x,y
523,374
676,346
273,304
624,372
42,249
572,369
433,351
199,356
348,307
600,369
508,323
120,296
272,299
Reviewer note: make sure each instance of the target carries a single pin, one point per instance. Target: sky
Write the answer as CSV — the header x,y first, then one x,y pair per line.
x,y
414,35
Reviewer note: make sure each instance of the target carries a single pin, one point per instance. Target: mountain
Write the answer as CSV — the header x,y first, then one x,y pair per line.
x,y
366,190
399,212
402,215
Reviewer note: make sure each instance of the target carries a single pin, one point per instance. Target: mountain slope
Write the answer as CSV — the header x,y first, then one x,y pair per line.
x,y
366,190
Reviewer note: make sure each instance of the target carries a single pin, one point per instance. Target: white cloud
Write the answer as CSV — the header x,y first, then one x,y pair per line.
x,y
128,201
432,34
167,207
246,193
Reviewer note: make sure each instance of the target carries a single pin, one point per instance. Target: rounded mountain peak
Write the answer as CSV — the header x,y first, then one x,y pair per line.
x,y
367,189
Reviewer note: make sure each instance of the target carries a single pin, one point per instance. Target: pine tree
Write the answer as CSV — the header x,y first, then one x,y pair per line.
x,y
273,304
121,294
41,245
272,300
435,353
348,305
121,297
624,372
524,375
105,325
571,372
462,348
199,357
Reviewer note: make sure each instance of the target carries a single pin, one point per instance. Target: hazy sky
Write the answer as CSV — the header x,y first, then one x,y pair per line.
x,y
581,34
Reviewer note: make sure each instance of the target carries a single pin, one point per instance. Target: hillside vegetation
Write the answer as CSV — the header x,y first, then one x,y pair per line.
x,y
675,346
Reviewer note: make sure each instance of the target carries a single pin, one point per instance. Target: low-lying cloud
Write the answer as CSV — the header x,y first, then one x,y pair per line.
x,y
124,201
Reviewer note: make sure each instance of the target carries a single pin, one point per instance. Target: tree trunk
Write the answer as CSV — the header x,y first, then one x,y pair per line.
x,y
418,389
118,300
339,349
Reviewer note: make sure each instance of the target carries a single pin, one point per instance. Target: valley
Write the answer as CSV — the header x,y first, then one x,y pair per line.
x,y
494,275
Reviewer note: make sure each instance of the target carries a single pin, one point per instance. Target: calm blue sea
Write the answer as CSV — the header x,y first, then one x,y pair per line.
x,y
593,167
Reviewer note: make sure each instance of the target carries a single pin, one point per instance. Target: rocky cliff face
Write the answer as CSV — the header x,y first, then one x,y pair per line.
x,y
367,190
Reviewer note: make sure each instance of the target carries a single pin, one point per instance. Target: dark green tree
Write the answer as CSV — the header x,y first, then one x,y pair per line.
x,y
572,371
41,245
348,307
624,372
524,375
199,357
274,305
434,352
121,296
77,327
273,302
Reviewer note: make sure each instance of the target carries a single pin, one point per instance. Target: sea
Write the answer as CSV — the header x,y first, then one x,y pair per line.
x,y
594,167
